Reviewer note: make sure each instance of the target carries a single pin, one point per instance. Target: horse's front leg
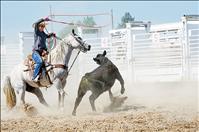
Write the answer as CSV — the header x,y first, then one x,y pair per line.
x,y
61,93
59,99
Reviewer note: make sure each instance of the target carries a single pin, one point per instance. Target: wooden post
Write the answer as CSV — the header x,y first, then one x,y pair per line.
x,y
112,24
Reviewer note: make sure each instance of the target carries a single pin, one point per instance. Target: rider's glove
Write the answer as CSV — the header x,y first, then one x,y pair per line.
x,y
46,19
44,52
53,34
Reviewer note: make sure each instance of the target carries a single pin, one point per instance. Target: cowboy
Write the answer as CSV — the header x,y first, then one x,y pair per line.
x,y
39,48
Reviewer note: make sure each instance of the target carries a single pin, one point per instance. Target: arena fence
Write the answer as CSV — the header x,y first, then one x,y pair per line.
x,y
164,52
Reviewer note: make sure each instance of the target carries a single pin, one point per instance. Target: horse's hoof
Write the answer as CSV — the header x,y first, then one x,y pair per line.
x,y
61,110
29,110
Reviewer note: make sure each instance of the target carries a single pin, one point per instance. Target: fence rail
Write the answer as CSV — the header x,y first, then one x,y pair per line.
x,y
165,54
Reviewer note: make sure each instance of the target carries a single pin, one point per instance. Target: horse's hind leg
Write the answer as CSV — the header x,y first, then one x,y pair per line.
x,y
21,95
38,93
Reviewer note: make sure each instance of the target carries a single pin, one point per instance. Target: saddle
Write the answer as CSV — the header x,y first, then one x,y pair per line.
x,y
44,79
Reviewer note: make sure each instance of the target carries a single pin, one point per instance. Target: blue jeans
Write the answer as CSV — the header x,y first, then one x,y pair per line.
x,y
39,63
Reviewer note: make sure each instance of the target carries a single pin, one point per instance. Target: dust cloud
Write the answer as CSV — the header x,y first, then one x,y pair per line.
x,y
149,106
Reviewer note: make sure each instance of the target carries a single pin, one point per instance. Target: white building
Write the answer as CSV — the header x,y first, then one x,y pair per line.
x,y
11,55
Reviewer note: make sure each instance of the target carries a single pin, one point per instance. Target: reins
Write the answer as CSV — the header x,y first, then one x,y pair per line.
x,y
73,61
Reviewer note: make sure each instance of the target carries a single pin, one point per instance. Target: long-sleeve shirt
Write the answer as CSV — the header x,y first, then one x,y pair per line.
x,y
40,38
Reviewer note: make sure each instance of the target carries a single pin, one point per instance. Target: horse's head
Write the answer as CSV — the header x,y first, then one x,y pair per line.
x,y
77,42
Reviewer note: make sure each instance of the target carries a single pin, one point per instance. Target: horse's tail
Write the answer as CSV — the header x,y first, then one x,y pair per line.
x,y
9,93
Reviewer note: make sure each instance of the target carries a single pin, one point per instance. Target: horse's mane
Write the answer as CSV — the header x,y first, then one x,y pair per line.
x,y
58,53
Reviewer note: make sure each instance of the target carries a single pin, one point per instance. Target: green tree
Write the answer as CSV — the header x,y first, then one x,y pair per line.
x,y
66,30
89,21
127,18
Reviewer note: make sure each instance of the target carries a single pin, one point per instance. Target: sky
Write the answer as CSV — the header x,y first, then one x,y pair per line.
x,y
18,16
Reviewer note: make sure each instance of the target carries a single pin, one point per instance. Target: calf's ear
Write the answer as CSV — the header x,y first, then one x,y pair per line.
x,y
73,31
104,53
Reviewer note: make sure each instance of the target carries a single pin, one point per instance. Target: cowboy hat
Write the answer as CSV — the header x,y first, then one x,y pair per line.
x,y
43,24
40,24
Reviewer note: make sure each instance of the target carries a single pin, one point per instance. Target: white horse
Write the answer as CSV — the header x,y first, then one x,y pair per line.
x,y
19,81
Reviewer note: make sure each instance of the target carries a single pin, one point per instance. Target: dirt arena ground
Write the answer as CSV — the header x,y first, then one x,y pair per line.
x,y
149,107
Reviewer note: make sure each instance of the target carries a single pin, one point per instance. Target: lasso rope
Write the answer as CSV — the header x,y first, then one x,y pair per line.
x,y
82,25
73,62
54,43
96,14
54,38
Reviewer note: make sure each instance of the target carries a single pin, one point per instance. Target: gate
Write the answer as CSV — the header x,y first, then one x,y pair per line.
x,y
193,40
165,52
158,56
